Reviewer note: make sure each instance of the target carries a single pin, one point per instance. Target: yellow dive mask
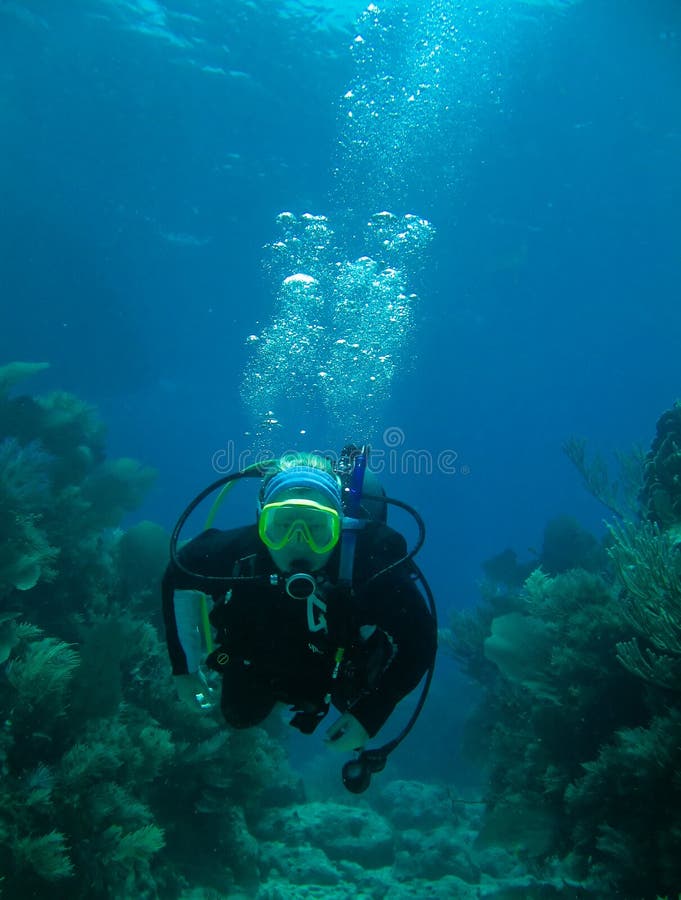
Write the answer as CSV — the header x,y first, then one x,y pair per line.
x,y
282,522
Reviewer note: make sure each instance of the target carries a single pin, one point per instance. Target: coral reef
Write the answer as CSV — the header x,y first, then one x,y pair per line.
x,y
26,556
648,566
111,789
660,495
101,767
579,723
621,495
414,841
569,546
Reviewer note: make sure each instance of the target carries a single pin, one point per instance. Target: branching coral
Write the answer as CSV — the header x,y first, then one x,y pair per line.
x,y
553,695
70,774
660,495
99,763
47,855
40,672
133,846
95,795
57,492
68,429
624,808
69,424
465,638
648,565
581,719
8,634
620,496
26,554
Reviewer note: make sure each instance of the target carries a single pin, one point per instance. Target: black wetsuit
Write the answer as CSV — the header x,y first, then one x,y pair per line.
x,y
266,651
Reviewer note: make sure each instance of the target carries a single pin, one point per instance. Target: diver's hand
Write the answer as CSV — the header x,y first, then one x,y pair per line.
x,y
346,734
194,691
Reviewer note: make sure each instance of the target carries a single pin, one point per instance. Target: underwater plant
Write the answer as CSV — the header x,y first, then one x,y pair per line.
x,y
648,565
109,788
621,495
579,722
26,554
660,495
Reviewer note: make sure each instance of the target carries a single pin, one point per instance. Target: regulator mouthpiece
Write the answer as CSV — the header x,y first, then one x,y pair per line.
x,y
300,586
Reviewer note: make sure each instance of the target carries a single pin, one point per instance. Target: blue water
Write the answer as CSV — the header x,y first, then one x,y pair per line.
x,y
145,151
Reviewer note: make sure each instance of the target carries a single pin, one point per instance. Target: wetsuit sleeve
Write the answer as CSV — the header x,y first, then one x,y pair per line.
x,y
205,555
397,608
181,616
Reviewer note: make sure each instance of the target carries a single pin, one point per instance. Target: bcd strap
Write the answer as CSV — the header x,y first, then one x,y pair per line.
x,y
244,566
351,527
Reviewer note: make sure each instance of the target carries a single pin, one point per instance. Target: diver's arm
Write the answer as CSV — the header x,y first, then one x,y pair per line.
x,y
181,615
395,605
181,597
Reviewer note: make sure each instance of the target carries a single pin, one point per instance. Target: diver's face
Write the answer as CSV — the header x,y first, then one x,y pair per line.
x,y
294,558
297,555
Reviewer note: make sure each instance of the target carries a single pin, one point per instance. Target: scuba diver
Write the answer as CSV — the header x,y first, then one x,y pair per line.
x,y
318,603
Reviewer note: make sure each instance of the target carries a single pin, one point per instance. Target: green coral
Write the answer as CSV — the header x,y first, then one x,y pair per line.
x,y
556,696
580,719
109,788
520,646
47,855
58,491
8,633
660,495
621,495
648,565
13,373
625,807
114,488
133,846
27,554
140,553
569,546
41,672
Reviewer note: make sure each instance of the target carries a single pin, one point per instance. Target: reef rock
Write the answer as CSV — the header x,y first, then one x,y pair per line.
x,y
354,833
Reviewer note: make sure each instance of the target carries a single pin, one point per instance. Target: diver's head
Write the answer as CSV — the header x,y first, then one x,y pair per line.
x,y
300,513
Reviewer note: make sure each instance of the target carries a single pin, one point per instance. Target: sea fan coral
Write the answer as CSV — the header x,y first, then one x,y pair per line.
x,y
47,855
133,846
42,671
26,554
648,566
661,492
